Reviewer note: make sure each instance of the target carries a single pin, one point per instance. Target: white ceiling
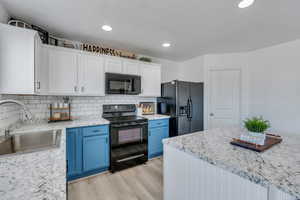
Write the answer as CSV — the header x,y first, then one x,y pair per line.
x,y
194,27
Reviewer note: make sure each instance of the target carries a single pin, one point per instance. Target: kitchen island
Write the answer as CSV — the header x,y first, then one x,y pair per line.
x,y
204,165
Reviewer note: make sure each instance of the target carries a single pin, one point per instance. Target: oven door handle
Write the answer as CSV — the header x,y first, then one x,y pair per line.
x,y
127,125
130,158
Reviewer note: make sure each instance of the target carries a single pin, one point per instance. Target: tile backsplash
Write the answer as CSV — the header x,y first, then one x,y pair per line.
x,y
80,106
9,114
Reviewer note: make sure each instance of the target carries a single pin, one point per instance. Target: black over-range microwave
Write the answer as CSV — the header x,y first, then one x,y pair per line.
x,y
122,84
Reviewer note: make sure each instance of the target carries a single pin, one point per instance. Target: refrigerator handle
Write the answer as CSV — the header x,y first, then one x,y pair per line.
x,y
191,108
188,108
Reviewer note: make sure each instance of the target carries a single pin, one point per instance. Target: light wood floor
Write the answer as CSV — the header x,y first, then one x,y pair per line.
x,y
144,182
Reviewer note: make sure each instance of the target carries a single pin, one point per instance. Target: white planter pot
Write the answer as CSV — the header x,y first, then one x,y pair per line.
x,y
254,137
259,138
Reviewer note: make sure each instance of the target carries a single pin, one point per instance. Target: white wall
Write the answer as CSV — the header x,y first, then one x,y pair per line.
x,y
271,82
275,86
191,70
3,15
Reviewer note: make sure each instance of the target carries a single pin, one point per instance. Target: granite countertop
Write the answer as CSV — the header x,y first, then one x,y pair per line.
x,y
155,117
44,125
39,175
278,167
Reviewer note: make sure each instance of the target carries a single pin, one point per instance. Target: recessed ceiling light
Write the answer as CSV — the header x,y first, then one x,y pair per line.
x,y
166,44
106,28
246,3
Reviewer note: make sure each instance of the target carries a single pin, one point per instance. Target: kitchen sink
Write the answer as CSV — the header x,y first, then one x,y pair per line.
x,y
30,142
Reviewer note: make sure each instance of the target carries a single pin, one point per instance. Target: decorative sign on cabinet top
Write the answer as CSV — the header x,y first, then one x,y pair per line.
x,y
107,51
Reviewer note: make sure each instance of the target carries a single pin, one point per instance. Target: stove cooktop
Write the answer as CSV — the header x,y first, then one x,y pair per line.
x,y
125,119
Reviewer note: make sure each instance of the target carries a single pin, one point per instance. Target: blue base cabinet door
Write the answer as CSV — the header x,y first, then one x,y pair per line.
x,y
95,152
74,152
158,130
87,151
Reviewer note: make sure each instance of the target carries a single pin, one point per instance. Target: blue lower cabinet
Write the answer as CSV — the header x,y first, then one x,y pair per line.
x,y
157,131
95,152
72,166
87,151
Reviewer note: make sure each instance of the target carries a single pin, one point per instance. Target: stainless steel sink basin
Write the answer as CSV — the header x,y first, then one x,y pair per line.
x,y
30,142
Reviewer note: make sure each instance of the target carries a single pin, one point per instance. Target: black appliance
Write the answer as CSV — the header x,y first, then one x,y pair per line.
x,y
122,84
128,136
183,101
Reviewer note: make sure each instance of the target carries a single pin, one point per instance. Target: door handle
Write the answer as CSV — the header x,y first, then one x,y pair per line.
x,y
188,108
75,88
191,108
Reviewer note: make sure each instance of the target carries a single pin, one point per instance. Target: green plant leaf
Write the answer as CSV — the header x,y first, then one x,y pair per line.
x,y
257,124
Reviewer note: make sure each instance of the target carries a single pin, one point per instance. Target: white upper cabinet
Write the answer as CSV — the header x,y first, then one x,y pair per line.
x,y
42,72
121,66
113,65
91,75
63,71
75,73
29,67
151,80
19,61
131,67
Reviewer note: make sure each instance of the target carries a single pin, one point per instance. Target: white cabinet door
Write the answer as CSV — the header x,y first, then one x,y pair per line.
x,y
132,68
41,69
91,75
113,65
63,72
17,60
151,80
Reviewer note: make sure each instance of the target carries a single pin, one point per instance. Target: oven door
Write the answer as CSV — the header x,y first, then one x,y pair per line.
x,y
122,84
129,145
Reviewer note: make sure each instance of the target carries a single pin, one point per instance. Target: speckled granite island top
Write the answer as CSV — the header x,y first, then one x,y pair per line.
x,y
39,175
278,166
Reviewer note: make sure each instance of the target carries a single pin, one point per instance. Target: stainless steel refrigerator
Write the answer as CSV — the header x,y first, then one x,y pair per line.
x,y
183,101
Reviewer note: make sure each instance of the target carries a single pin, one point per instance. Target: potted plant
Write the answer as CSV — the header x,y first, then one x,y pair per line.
x,y
256,127
145,59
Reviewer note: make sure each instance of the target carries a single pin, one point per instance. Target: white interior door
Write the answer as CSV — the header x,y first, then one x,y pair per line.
x,y
224,102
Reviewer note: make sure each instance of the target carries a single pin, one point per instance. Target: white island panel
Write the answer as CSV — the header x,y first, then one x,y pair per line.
x,y
187,177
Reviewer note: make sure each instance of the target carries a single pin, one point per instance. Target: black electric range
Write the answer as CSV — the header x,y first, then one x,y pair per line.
x,y
128,136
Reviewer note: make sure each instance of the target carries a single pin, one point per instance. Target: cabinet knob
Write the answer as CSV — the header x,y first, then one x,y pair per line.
x,y
82,89
211,114
75,88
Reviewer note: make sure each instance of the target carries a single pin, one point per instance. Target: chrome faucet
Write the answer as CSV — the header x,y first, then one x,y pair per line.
x,y
26,111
